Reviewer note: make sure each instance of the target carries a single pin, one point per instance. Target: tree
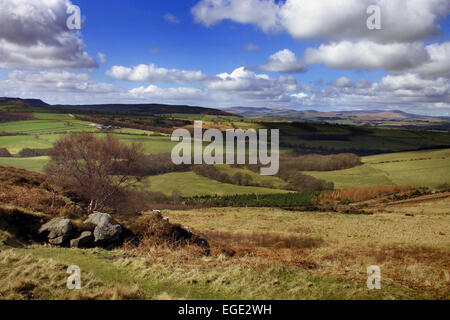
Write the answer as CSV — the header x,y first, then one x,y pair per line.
x,y
96,170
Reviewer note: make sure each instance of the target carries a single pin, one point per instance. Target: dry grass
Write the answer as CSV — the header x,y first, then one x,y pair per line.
x,y
361,194
263,240
24,277
412,251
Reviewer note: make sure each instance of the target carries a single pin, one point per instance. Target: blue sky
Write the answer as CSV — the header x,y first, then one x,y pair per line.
x,y
220,53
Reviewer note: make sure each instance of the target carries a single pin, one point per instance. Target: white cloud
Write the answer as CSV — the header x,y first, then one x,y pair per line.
x,y
58,81
367,55
402,20
171,18
343,82
33,33
151,73
412,84
262,13
439,63
283,61
300,95
243,80
155,92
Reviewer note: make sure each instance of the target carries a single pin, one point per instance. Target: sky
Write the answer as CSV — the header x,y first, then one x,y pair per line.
x,y
299,54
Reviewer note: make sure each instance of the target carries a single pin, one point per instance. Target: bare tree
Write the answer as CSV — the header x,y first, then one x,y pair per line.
x,y
94,169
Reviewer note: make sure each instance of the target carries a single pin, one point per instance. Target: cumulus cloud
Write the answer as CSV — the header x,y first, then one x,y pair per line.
x,y
58,81
330,19
283,61
413,84
155,92
342,82
262,13
243,80
151,73
439,62
33,33
366,55
408,92
430,61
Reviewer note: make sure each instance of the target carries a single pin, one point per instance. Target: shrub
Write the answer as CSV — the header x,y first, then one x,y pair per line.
x,y
4,153
29,153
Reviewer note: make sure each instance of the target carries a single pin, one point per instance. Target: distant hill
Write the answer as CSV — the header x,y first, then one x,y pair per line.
x,y
294,114
145,109
365,118
308,114
19,101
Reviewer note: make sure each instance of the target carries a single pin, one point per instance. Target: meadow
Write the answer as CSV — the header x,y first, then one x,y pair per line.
x,y
421,168
190,184
262,253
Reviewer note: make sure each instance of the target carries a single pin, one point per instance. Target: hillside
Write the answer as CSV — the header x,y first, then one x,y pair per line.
x,y
365,118
140,109
19,101
144,109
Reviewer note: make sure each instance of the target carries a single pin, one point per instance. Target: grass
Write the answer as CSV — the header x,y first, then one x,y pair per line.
x,y
151,145
428,173
44,126
362,176
190,184
421,168
53,116
256,253
256,177
32,164
24,276
411,252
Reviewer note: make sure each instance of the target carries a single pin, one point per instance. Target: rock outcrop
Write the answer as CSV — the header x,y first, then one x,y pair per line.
x,y
58,231
106,233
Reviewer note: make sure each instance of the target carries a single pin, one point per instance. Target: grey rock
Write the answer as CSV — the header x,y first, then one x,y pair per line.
x,y
86,240
107,233
58,230
99,218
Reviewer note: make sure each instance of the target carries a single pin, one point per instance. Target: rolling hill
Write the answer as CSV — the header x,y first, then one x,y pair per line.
x,y
139,109
365,118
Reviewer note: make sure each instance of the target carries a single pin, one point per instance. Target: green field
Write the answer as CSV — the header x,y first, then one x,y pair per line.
x,y
44,126
421,168
32,164
256,177
191,184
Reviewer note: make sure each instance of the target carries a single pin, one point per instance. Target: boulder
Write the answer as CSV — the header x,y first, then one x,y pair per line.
x,y
99,218
86,240
57,231
107,233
